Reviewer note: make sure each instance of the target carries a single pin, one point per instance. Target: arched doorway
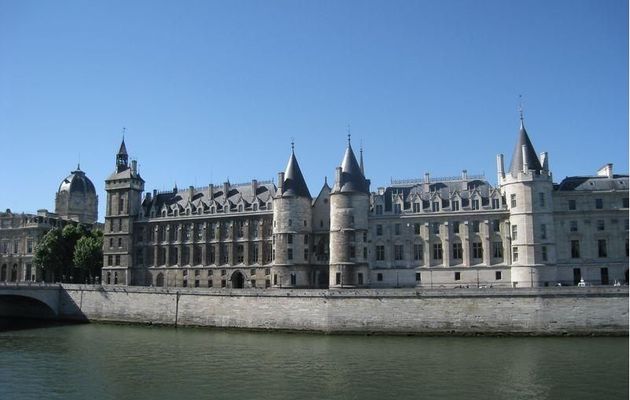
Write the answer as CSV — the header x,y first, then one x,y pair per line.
x,y
3,273
237,280
159,280
14,273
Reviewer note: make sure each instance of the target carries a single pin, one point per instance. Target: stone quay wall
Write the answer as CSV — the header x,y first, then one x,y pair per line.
x,y
536,311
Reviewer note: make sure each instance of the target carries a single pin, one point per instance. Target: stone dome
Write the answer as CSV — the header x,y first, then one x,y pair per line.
x,y
77,182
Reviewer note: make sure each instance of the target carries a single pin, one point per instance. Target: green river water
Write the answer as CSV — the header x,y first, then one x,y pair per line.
x,y
101,361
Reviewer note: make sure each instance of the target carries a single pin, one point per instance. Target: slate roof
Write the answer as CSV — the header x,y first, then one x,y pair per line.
x,y
533,163
125,174
352,179
294,184
202,197
591,183
123,148
77,182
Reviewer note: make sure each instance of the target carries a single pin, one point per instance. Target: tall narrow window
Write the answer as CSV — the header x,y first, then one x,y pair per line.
x,y
602,251
514,232
544,253
514,253
543,231
437,251
457,251
575,249
541,199
513,200
477,250
497,249
417,252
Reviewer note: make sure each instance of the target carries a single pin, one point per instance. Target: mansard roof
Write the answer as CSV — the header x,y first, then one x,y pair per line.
x,y
591,183
533,163
294,184
352,179
208,196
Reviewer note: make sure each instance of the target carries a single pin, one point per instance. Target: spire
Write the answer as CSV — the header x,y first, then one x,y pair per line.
x,y
122,158
517,163
294,184
361,159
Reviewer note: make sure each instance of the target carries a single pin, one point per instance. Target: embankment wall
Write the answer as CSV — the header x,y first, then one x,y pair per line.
x,y
538,311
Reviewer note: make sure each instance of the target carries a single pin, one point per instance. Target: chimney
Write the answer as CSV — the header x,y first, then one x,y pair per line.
x,y
191,192
427,181
148,196
211,191
226,188
500,168
606,170
464,179
254,187
525,160
280,182
134,167
337,185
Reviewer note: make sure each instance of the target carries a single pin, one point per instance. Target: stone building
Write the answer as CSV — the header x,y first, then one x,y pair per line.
x,y
430,232
75,202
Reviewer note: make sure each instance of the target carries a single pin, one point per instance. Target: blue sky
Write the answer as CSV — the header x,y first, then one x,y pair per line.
x,y
215,90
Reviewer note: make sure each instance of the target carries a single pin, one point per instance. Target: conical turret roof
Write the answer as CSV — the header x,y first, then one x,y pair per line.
x,y
533,163
294,184
352,179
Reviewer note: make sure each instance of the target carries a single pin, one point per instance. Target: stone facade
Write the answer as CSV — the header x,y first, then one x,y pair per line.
x,y
431,232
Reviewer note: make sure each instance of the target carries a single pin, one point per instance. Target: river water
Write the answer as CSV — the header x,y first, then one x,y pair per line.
x,y
101,361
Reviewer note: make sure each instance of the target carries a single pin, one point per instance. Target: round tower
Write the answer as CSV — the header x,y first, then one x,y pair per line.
x,y
76,198
292,228
349,208
527,187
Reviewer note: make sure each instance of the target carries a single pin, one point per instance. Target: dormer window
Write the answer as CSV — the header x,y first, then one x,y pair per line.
x,y
455,205
255,207
475,204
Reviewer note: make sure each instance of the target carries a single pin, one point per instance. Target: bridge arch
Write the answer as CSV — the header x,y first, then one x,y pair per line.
x,y
18,306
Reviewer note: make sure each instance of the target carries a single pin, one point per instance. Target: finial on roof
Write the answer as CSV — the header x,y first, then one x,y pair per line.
x,y
348,130
326,180
520,106
292,145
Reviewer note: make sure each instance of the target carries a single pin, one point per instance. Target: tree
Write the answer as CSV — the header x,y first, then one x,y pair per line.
x,y
88,256
55,254
49,254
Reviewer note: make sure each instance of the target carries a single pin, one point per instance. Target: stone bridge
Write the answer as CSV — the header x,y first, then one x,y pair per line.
x,y
30,300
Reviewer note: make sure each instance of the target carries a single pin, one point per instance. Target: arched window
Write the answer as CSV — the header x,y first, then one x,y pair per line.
x,y
3,273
